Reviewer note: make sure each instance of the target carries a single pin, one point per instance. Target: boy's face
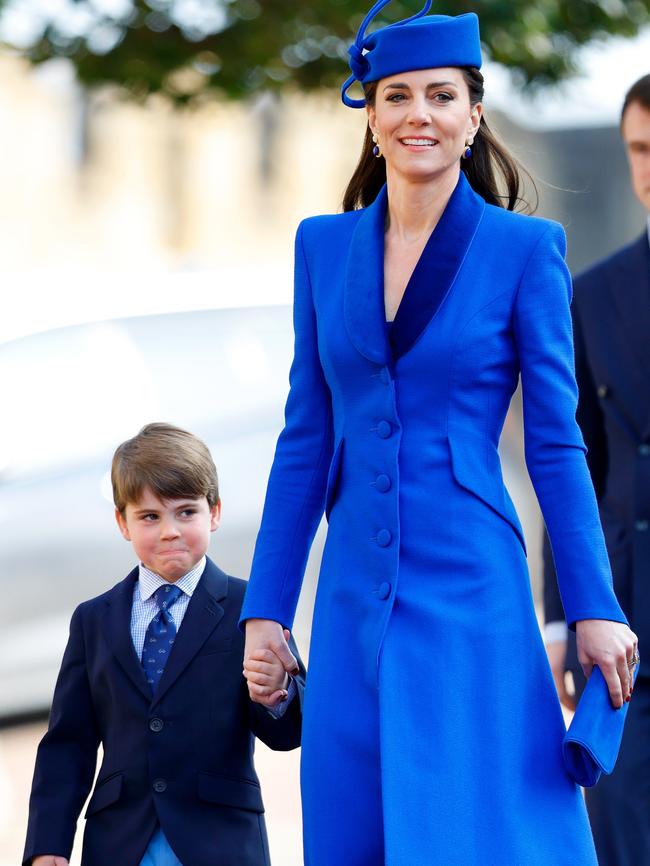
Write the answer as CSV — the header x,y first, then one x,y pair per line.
x,y
169,536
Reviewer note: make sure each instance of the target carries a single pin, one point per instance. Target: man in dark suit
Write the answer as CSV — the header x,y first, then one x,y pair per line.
x,y
153,672
611,311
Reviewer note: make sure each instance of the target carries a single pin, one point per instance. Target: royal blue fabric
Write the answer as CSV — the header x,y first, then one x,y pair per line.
x,y
593,740
159,852
424,626
181,760
420,42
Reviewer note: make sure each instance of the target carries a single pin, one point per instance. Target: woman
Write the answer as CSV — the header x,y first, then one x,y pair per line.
x,y
432,732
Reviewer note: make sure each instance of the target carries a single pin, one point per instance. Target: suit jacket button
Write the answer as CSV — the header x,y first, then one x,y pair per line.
x,y
602,391
382,483
384,538
383,591
644,449
383,429
642,525
159,785
156,725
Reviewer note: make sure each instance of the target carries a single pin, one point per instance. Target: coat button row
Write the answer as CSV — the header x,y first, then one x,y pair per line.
x,y
156,725
642,525
384,538
383,591
644,449
382,483
384,429
159,785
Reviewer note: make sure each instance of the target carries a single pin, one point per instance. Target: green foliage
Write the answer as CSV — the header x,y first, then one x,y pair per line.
x,y
191,48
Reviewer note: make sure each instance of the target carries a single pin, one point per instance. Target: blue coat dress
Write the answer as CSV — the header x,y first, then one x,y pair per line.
x,y
432,732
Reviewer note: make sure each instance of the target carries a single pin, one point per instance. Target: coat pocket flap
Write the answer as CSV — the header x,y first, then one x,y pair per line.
x,y
227,791
333,478
471,455
105,794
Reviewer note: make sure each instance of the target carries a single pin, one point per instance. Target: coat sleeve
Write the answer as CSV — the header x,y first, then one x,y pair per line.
x,y
295,495
554,446
590,420
66,757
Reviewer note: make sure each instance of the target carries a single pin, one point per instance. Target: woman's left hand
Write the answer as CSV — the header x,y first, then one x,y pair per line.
x,y
611,646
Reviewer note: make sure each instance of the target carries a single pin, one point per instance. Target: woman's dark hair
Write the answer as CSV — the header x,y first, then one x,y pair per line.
x,y
639,92
489,164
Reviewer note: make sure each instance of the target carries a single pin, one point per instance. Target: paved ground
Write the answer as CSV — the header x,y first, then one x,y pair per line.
x,y
278,773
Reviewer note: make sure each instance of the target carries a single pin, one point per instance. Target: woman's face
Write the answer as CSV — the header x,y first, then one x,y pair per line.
x,y
423,120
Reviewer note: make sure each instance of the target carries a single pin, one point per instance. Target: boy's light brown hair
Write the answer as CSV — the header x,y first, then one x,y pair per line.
x,y
171,462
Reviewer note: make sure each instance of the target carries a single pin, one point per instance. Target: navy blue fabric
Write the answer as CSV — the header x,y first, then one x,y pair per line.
x,y
419,42
159,639
181,760
436,269
611,320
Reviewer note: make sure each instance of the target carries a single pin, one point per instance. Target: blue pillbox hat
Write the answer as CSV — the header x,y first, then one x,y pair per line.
x,y
419,42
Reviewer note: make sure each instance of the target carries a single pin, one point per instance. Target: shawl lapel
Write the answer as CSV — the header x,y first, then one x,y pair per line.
x,y
430,283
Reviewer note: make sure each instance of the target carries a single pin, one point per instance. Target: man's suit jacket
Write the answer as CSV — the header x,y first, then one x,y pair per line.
x,y
183,759
611,313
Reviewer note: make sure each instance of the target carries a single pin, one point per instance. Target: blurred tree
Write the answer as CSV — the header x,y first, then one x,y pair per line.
x,y
189,48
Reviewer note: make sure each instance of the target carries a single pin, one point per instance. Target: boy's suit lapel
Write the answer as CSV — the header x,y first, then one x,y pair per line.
x,y
202,616
117,631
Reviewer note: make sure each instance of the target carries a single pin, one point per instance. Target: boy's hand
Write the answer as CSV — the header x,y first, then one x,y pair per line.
x,y
49,860
266,676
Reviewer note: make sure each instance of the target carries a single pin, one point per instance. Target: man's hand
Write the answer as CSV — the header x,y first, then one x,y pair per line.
x,y
49,860
264,636
556,652
611,646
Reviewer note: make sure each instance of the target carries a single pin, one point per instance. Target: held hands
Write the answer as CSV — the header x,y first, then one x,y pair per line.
x,y
267,659
556,652
611,646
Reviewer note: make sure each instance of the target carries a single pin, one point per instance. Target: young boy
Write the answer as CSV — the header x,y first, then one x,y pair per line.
x,y
153,672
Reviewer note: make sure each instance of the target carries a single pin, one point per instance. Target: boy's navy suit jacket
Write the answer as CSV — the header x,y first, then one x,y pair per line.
x,y
183,759
611,315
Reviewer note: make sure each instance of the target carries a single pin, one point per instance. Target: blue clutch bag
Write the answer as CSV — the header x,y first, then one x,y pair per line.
x,y
592,743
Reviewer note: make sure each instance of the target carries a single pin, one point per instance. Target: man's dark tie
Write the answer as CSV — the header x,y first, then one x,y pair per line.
x,y
160,635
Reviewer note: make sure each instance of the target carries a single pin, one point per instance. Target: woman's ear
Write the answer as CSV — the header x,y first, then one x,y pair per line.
x,y
474,120
372,117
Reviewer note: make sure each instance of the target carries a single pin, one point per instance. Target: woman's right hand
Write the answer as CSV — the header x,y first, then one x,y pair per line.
x,y
263,635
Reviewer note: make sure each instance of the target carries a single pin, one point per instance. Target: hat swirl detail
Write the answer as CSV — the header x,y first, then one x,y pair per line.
x,y
358,63
419,42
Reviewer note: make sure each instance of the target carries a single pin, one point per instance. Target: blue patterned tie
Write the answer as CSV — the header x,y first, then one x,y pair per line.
x,y
160,635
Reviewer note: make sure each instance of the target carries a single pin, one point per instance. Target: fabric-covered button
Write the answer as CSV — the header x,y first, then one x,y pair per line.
x,y
382,483
156,725
384,538
642,525
383,591
159,785
644,449
383,429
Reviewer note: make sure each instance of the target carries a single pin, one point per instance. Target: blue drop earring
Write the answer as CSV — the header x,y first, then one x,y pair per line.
x,y
376,149
467,153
